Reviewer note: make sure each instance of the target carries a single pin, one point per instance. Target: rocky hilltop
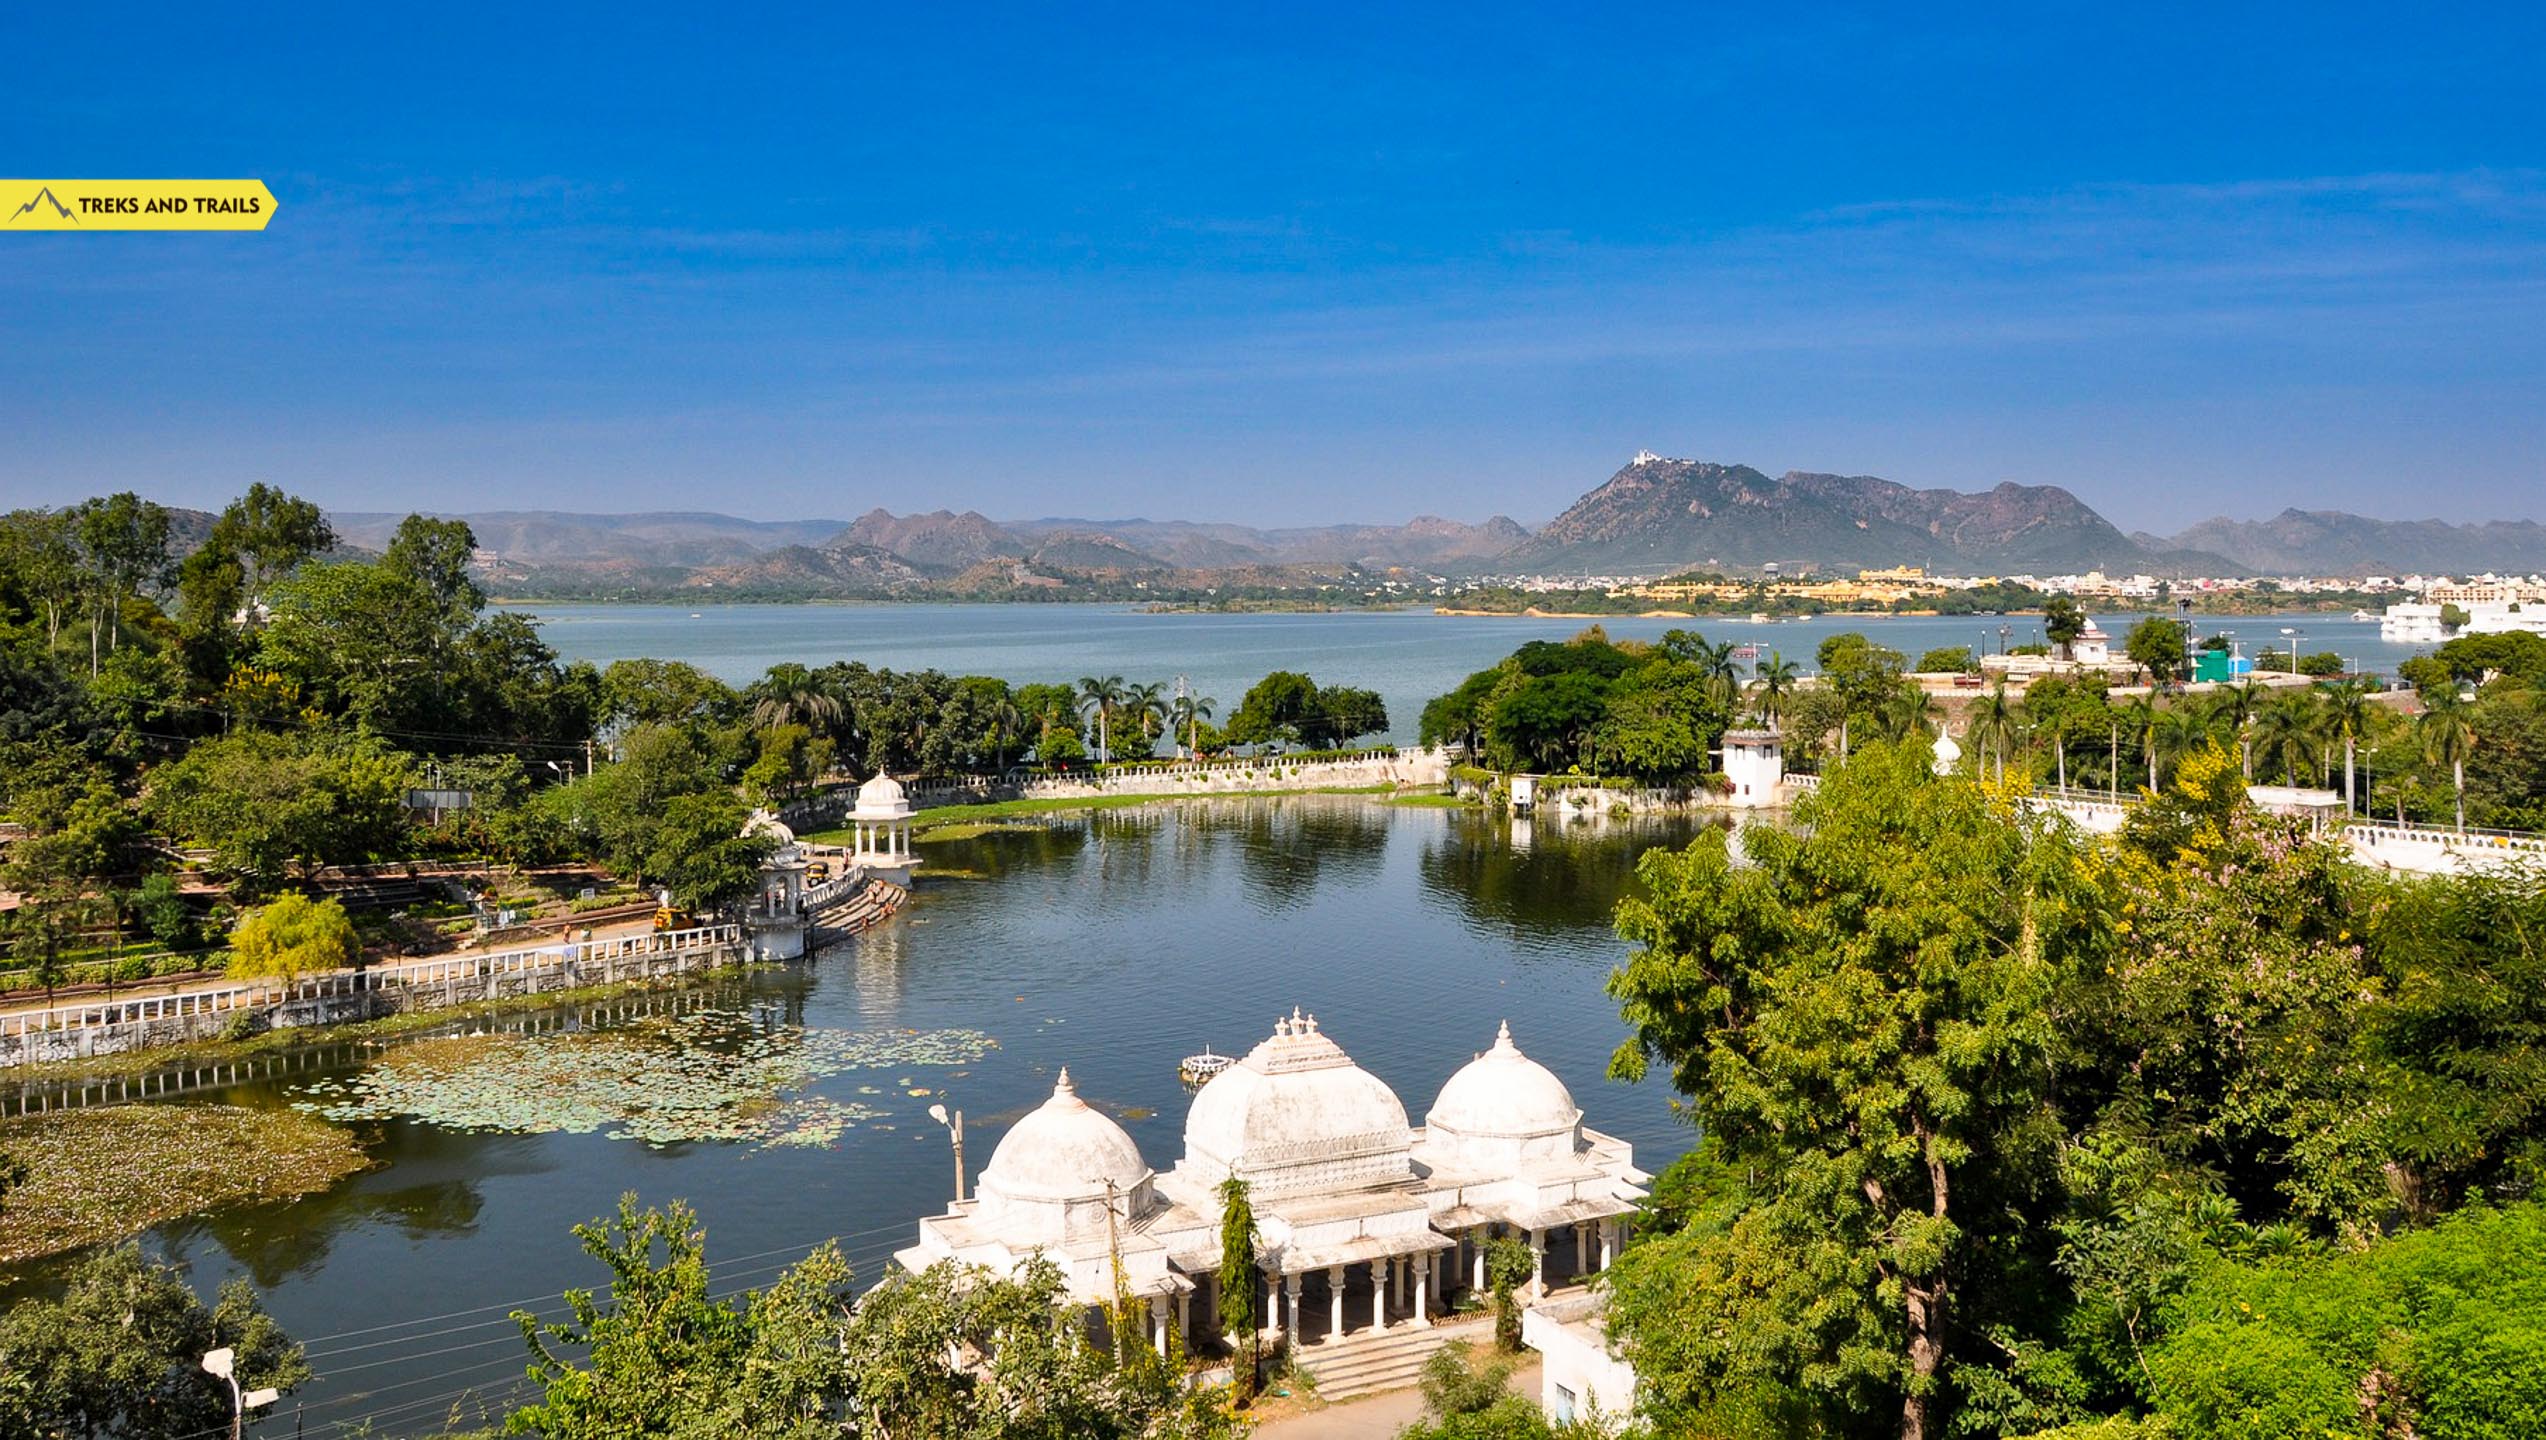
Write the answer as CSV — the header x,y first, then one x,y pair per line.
x,y
1660,514
2330,542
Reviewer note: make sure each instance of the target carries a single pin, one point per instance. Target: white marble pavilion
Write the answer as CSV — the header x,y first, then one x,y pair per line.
x,y
1363,1222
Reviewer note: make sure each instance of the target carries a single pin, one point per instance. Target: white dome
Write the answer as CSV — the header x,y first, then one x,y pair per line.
x,y
1505,1094
1297,1114
1947,752
882,798
1066,1149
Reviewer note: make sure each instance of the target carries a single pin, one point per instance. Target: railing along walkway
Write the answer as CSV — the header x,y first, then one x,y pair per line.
x,y
581,962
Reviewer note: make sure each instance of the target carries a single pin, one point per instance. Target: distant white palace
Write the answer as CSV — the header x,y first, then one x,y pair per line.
x,y
1364,1223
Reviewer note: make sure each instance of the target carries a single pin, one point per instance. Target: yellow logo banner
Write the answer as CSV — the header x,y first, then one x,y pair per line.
x,y
135,205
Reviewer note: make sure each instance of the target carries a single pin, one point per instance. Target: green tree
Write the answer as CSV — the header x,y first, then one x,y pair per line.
x,y
1508,1266
1238,1284
433,554
123,548
1468,1396
1955,659
1100,696
2063,621
265,804
1773,688
2156,646
658,1354
1345,713
2446,731
1278,709
291,936
120,1353
1861,1018
700,854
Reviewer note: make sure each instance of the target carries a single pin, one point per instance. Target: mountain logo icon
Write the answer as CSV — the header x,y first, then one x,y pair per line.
x,y
44,196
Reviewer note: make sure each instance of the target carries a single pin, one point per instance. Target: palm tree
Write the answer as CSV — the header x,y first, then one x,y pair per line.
x,y
1906,712
1146,706
2347,714
2179,730
1776,681
2140,718
2447,731
1005,721
1993,724
1101,696
1189,713
2237,705
791,695
2287,731
1723,675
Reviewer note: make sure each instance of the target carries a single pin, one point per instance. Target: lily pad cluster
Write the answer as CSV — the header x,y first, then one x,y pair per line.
x,y
708,1075
101,1174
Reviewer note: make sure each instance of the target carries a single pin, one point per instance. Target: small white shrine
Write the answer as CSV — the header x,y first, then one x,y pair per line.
x,y
1363,1222
880,827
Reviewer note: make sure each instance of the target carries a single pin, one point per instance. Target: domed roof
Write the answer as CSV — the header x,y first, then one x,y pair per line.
x,y
1505,1093
1065,1149
1947,752
1297,1114
882,795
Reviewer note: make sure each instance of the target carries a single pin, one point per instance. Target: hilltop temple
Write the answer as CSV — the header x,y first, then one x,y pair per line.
x,y
1364,1223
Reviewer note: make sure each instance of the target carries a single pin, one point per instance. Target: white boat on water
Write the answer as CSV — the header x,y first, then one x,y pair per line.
x,y
1757,618
2363,615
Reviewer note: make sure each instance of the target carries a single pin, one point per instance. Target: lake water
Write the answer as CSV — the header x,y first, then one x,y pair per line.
x,y
1113,943
1407,656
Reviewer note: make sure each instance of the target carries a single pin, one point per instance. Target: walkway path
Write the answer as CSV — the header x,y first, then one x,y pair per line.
x,y
1374,1417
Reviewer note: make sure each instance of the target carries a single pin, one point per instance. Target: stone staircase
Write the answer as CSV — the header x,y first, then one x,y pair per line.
x,y
1366,1364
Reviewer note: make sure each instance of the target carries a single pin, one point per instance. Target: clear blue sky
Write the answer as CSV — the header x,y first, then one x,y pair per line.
x,y
1281,263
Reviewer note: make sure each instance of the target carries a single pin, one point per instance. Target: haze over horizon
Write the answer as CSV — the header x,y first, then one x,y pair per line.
x,y
1287,269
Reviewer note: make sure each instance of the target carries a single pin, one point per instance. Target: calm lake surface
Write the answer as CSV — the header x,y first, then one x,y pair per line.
x,y
1407,656
1112,943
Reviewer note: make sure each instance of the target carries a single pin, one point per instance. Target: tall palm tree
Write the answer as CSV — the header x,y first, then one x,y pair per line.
x,y
2347,715
2446,729
1723,673
1775,683
1101,696
2139,717
2236,708
1145,706
1190,712
2178,731
2285,730
1993,724
1005,723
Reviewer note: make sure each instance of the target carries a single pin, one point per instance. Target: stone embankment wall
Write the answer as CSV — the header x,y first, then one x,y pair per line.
x,y
1269,775
135,1022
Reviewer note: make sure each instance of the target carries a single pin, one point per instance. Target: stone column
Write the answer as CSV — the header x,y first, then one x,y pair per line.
x,y
1184,1317
1608,1242
1476,1246
1291,1317
1158,1321
1537,1264
1272,1303
1382,1275
1334,1303
1422,1289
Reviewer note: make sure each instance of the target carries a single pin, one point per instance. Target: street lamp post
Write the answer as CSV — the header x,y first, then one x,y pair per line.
x,y
954,1126
224,1363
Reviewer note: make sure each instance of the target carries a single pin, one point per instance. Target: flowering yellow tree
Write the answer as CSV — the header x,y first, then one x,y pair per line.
x,y
293,936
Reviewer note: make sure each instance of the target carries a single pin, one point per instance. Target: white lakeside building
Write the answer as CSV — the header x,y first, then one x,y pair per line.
x,y
1363,1222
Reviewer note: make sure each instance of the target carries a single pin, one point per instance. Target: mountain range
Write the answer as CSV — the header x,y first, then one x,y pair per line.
x,y
1654,516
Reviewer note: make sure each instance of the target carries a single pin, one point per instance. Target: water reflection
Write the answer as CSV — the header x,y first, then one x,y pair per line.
x,y
1526,878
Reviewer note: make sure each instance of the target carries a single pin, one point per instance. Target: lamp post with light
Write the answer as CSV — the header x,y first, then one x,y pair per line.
x,y
954,1126
224,1363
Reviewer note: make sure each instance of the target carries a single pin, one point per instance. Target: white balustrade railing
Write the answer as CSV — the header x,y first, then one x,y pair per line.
x,y
587,959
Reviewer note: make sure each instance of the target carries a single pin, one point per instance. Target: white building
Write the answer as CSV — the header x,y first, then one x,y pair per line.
x,y
1582,1374
1364,1223
1755,765
880,826
2092,646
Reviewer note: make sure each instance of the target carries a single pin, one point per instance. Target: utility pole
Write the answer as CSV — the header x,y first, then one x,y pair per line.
x,y
587,757
954,1126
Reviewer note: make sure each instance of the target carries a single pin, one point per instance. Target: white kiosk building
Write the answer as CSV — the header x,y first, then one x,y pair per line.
x,y
1755,764
1364,1224
880,825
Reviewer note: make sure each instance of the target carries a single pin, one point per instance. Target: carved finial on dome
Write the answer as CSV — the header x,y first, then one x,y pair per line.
x,y
1312,1024
1063,1086
1281,1026
1503,1037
